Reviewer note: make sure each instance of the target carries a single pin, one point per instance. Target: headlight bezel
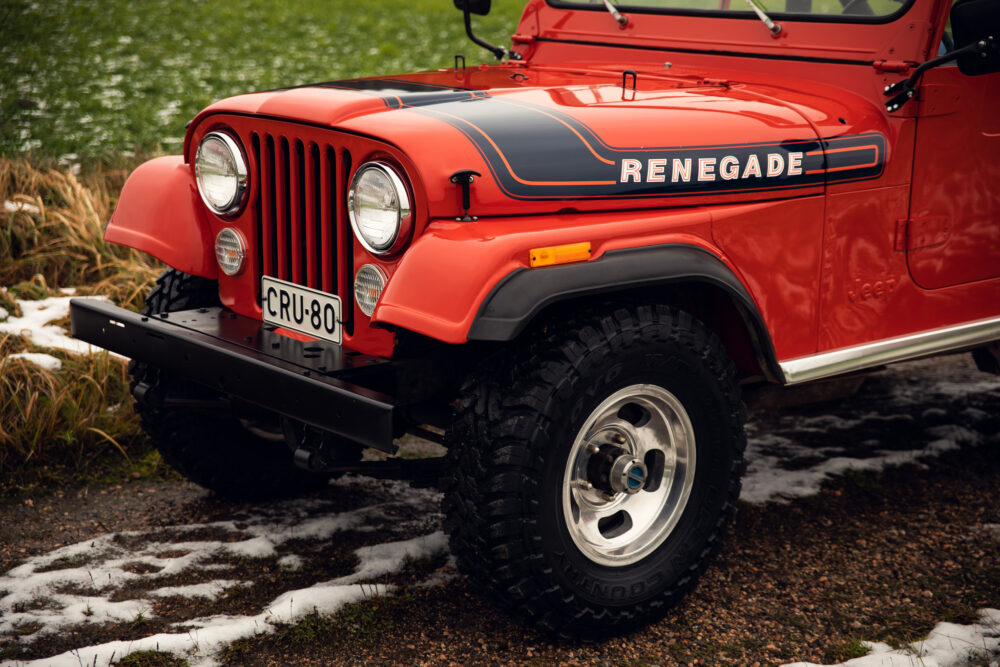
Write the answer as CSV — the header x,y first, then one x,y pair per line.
x,y
241,193
404,213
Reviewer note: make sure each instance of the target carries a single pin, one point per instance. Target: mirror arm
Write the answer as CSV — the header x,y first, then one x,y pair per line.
x,y
497,51
903,91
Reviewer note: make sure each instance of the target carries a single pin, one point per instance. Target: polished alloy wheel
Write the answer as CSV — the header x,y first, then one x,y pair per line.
x,y
629,475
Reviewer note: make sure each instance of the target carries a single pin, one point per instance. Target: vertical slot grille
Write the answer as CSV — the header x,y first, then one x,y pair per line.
x,y
346,239
296,212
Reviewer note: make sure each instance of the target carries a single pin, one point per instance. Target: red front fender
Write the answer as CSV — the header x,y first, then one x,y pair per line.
x,y
160,213
446,275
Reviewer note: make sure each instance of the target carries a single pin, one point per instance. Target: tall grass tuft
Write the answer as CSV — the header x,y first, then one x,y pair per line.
x,y
69,423
64,419
56,230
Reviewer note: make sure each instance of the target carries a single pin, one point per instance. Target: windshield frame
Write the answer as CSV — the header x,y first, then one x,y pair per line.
x,y
747,14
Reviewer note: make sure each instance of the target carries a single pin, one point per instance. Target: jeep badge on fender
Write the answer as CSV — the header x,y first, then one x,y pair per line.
x,y
574,263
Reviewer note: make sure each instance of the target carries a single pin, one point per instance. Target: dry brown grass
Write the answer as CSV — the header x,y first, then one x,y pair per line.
x,y
56,424
84,395
61,420
59,234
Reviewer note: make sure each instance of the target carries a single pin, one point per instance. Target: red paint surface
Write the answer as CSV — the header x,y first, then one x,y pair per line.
x,y
955,181
160,212
821,262
288,333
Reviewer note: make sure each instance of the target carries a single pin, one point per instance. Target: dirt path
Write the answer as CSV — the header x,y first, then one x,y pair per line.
x,y
880,557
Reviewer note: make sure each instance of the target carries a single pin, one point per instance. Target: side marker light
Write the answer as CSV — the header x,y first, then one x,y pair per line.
x,y
560,254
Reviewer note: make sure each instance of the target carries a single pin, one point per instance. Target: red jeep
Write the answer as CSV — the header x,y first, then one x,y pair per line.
x,y
570,263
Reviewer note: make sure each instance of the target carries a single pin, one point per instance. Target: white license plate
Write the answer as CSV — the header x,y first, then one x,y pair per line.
x,y
301,309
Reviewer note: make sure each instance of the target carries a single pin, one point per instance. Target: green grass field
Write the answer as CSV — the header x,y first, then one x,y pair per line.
x,y
111,78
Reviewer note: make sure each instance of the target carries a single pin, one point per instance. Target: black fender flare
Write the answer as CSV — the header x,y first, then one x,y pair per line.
x,y
515,301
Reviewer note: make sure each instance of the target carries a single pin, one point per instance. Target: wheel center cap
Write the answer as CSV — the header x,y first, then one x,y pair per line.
x,y
628,474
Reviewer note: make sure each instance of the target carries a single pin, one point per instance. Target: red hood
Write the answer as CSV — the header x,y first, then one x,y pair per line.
x,y
594,137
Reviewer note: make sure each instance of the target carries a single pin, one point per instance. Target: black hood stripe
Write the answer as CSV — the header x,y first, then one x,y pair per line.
x,y
398,93
537,152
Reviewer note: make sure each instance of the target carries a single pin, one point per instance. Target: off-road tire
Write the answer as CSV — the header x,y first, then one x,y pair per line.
x,y
508,449
212,447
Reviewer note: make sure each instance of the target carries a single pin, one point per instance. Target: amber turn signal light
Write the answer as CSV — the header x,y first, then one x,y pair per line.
x,y
560,254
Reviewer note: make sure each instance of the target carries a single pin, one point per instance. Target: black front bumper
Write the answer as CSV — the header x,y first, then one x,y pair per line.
x,y
317,382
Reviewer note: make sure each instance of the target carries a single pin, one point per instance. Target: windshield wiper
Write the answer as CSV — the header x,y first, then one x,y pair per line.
x,y
771,25
621,18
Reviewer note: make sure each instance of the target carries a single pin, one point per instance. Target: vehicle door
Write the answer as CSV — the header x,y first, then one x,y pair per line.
x,y
953,230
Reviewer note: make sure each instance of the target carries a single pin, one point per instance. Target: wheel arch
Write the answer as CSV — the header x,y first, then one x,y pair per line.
x,y
160,213
681,275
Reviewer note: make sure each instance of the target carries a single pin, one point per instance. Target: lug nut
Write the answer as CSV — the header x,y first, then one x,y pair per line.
x,y
584,484
592,448
618,439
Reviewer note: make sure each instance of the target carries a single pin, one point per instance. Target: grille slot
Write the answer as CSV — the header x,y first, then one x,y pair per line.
x,y
296,212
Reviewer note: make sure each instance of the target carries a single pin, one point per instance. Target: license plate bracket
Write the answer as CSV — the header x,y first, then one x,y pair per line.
x,y
301,309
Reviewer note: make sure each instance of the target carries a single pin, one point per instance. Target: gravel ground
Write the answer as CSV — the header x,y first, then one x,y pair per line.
x,y
879,556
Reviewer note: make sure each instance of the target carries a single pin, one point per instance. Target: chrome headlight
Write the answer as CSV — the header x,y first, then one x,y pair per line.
x,y
379,208
221,173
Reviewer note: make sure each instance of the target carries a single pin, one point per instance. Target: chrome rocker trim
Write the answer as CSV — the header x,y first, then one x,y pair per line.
x,y
891,350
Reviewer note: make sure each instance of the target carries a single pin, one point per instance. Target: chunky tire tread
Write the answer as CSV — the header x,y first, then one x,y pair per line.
x,y
212,449
497,447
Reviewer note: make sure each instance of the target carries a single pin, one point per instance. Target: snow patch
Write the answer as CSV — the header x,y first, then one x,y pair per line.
x,y
74,584
321,598
955,434
35,325
258,547
46,361
766,481
213,632
290,562
991,529
381,559
783,464
211,589
948,645
15,206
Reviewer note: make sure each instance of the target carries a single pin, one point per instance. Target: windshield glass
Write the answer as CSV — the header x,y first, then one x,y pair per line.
x,y
858,10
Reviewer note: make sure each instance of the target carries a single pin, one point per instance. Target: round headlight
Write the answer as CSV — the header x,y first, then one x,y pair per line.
x,y
221,173
368,285
379,208
230,251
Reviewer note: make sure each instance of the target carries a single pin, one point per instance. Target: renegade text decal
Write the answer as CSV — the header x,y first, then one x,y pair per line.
x,y
537,152
709,169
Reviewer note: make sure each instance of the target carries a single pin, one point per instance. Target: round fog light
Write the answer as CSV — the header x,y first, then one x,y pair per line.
x,y
368,285
230,251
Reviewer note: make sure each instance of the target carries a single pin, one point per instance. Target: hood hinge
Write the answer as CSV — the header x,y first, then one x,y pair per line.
x,y
892,66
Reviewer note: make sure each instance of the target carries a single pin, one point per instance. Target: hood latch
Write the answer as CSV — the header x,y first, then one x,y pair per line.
x,y
464,179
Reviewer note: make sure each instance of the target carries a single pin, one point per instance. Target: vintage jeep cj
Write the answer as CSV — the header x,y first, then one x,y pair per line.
x,y
571,263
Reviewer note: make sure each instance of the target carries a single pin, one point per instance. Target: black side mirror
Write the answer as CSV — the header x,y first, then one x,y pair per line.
x,y
973,21
481,7
975,25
